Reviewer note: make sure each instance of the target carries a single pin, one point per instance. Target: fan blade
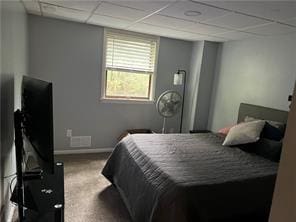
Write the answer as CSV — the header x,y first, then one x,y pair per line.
x,y
164,110
176,101
163,100
177,97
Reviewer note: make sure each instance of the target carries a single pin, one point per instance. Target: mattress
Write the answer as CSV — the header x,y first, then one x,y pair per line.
x,y
189,177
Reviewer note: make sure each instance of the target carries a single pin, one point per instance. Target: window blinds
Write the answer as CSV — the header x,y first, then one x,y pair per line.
x,y
125,52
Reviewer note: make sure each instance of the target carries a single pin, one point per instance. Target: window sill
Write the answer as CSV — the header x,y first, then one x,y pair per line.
x,y
126,101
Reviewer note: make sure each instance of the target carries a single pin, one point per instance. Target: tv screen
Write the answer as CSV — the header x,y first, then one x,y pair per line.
x,y
37,113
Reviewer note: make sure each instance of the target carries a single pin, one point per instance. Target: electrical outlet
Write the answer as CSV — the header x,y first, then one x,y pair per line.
x,y
69,133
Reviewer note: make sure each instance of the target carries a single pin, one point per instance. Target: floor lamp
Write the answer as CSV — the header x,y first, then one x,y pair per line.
x,y
180,79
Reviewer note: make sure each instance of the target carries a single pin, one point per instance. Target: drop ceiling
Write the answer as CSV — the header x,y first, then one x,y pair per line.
x,y
189,20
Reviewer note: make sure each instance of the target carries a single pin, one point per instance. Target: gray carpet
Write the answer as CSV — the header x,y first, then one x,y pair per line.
x,y
89,197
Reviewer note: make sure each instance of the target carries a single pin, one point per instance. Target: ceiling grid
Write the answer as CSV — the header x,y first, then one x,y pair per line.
x,y
189,20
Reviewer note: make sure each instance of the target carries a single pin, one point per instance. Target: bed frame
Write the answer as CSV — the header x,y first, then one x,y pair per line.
x,y
261,112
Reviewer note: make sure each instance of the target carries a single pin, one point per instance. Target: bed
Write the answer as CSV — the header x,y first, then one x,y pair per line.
x,y
192,177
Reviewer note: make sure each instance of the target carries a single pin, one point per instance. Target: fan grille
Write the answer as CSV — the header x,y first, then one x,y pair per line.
x,y
169,103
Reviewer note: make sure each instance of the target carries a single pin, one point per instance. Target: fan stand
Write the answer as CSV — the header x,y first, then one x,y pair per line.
x,y
163,126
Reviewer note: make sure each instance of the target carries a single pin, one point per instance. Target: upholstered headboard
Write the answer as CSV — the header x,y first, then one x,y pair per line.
x,y
260,112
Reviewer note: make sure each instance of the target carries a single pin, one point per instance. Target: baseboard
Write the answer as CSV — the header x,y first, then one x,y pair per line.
x,y
83,151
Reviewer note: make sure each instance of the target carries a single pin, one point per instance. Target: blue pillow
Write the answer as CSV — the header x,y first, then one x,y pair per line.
x,y
271,132
269,149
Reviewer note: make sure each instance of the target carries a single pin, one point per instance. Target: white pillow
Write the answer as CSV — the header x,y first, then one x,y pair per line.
x,y
247,132
275,124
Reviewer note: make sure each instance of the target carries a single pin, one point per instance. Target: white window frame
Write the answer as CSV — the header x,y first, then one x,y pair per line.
x,y
103,75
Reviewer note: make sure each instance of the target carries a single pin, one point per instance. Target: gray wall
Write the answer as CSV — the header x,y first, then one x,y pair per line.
x,y
200,85
70,54
259,71
192,86
13,66
205,85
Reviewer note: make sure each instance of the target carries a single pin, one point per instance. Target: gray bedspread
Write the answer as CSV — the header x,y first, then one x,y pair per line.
x,y
189,177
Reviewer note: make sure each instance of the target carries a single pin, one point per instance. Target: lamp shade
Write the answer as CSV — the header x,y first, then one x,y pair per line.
x,y
178,79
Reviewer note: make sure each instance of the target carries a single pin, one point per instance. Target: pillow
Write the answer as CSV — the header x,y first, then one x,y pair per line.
x,y
279,125
225,130
276,124
269,149
249,119
272,130
248,132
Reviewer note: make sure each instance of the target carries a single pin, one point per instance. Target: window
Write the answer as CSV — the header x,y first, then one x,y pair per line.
x,y
129,66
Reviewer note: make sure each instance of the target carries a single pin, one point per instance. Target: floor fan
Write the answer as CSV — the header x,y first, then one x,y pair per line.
x,y
168,105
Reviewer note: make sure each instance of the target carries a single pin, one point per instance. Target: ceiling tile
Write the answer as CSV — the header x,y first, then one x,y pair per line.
x,y
290,21
179,10
143,5
276,10
215,39
32,6
165,32
272,29
122,12
182,25
108,21
85,5
169,22
195,37
236,21
150,29
236,35
64,13
199,37
170,33
205,29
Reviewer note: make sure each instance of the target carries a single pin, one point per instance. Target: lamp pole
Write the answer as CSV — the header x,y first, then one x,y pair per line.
x,y
183,100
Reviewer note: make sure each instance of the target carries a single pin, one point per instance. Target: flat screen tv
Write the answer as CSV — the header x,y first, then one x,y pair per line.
x,y
37,120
